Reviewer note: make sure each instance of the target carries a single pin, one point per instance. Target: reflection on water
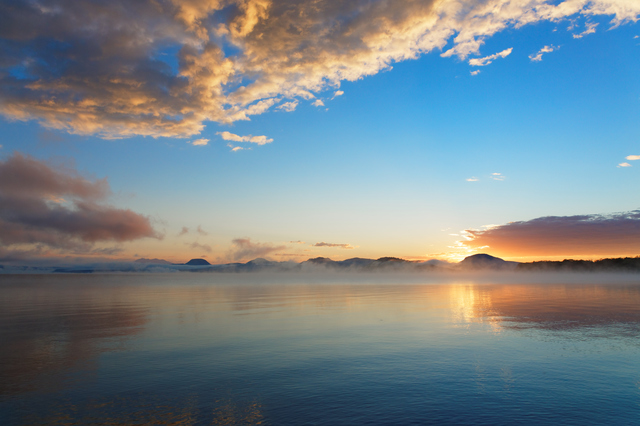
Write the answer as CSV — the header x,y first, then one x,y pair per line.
x,y
186,350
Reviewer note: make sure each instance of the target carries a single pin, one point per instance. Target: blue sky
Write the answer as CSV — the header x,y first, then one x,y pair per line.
x,y
399,164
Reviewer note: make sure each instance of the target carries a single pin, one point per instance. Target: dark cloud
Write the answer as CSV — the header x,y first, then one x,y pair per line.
x,y
118,68
243,248
588,235
201,231
183,231
323,244
43,206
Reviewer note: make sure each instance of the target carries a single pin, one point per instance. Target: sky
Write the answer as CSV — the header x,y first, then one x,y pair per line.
x,y
235,129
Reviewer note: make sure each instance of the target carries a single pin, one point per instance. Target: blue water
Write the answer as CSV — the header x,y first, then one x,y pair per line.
x,y
202,349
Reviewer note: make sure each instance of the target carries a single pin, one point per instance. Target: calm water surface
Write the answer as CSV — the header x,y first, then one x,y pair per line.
x,y
191,349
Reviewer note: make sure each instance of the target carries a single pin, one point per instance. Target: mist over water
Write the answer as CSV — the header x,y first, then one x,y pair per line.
x,y
191,349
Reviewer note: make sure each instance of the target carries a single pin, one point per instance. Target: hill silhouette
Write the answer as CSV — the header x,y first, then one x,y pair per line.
x,y
197,262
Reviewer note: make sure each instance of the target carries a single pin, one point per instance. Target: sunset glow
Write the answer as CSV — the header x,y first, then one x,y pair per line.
x,y
235,130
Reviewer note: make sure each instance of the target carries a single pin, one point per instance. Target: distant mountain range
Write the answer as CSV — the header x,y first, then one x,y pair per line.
x,y
476,262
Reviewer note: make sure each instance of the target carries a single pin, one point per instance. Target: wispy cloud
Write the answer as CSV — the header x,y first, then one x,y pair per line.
x,y
592,235
260,140
102,67
476,72
537,57
624,165
183,231
244,248
342,246
198,246
472,179
481,62
237,148
591,28
296,242
57,208
199,142
289,106
497,176
318,103
201,231
337,93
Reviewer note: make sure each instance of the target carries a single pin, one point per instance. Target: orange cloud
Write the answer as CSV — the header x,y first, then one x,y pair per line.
x,y
584,235
105,67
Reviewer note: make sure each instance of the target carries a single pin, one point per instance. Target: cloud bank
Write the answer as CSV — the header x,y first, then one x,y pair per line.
x,y
119,68
586,235
44,208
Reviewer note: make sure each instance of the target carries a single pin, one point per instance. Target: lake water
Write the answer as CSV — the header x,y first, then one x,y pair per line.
x,y
202,349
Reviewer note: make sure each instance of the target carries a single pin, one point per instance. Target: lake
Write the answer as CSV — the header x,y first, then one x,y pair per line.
x,y
222,349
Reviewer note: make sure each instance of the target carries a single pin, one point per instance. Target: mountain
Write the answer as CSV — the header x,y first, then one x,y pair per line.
x,y
197,262
152,261
486,261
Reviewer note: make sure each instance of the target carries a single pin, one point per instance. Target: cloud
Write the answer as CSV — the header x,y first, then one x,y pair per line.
x,y
472,179
343,246
183,231
587,235
201,231
56,208
197,246
318,103
481,62
243,248
497,176
237,148
476,72
200,142
119,68
337,93
537,57
296,242
632,157
624,165
289,106
260,140
591,28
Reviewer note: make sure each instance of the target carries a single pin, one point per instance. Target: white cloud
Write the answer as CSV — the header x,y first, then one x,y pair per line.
x,y
472,179
337,93
260,140
481,62
624,165
591,28
537,57
318,103
199,142
476,72
497,176
288,106
632,157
